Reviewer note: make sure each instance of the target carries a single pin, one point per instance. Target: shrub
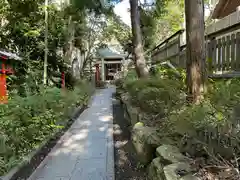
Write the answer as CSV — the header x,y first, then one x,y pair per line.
x,y
214,123
131,75
169,72
25,122
155,95
210,129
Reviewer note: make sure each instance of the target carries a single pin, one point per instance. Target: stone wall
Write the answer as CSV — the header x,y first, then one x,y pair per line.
x,y
164,161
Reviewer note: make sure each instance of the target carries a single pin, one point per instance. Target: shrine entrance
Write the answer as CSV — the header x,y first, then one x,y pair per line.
x,y
109,63
111,70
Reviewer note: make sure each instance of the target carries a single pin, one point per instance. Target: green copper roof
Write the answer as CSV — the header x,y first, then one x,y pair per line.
x,y
108,53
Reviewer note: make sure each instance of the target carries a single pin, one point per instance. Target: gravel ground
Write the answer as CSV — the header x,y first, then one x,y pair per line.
x,y
126,165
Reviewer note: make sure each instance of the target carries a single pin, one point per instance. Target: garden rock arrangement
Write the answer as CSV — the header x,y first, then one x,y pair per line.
x,y
145,141
170,164
165,162
170,154
206,132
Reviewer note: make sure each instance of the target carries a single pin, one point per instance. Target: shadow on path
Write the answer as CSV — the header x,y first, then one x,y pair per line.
x,y
126,165
85,151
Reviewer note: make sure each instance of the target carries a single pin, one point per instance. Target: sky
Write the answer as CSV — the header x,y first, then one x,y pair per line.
x,y
121,9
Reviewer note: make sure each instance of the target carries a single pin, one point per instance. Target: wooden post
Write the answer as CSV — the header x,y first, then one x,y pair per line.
x,y
102,69
179,50
97,75
209,56
3,83
238,51
214,55
233,63
228,65
219,59
63,80
223,64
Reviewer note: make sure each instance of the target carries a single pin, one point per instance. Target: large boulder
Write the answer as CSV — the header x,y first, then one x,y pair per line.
x,y
145,141
170,154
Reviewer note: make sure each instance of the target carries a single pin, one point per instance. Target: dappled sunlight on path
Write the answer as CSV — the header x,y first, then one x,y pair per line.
x,y
85,152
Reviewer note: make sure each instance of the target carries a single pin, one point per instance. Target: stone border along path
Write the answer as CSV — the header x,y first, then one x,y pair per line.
x,y
85,151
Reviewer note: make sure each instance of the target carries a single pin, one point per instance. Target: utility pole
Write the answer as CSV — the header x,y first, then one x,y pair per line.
x,y
46,44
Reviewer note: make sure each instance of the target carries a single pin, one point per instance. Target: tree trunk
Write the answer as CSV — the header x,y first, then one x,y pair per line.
x,y
69,41
139,60
46,44
196,71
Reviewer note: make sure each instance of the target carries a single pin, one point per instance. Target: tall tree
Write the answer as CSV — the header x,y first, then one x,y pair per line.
x,y
194,11
46,44
84,9
139,60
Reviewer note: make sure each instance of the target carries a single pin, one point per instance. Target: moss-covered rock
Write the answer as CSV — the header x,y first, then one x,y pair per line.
x,y
125,98
170,154
155,170
176,171
189,177
145,140
133,114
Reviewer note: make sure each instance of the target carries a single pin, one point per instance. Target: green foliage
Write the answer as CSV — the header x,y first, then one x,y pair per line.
x,y
22,32
116,29
161,20
214,122
148,26
157,96
163,72
225,93
131,75
26,122
210,127
92,5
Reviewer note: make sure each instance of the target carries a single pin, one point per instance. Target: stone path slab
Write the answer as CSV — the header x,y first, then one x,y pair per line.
x,y
85,151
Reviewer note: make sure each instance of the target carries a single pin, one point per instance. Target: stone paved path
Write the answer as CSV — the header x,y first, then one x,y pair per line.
x,y
85,152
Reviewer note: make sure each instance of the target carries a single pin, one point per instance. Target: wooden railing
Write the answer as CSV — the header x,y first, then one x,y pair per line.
x,y
224,53
222,47
168,49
